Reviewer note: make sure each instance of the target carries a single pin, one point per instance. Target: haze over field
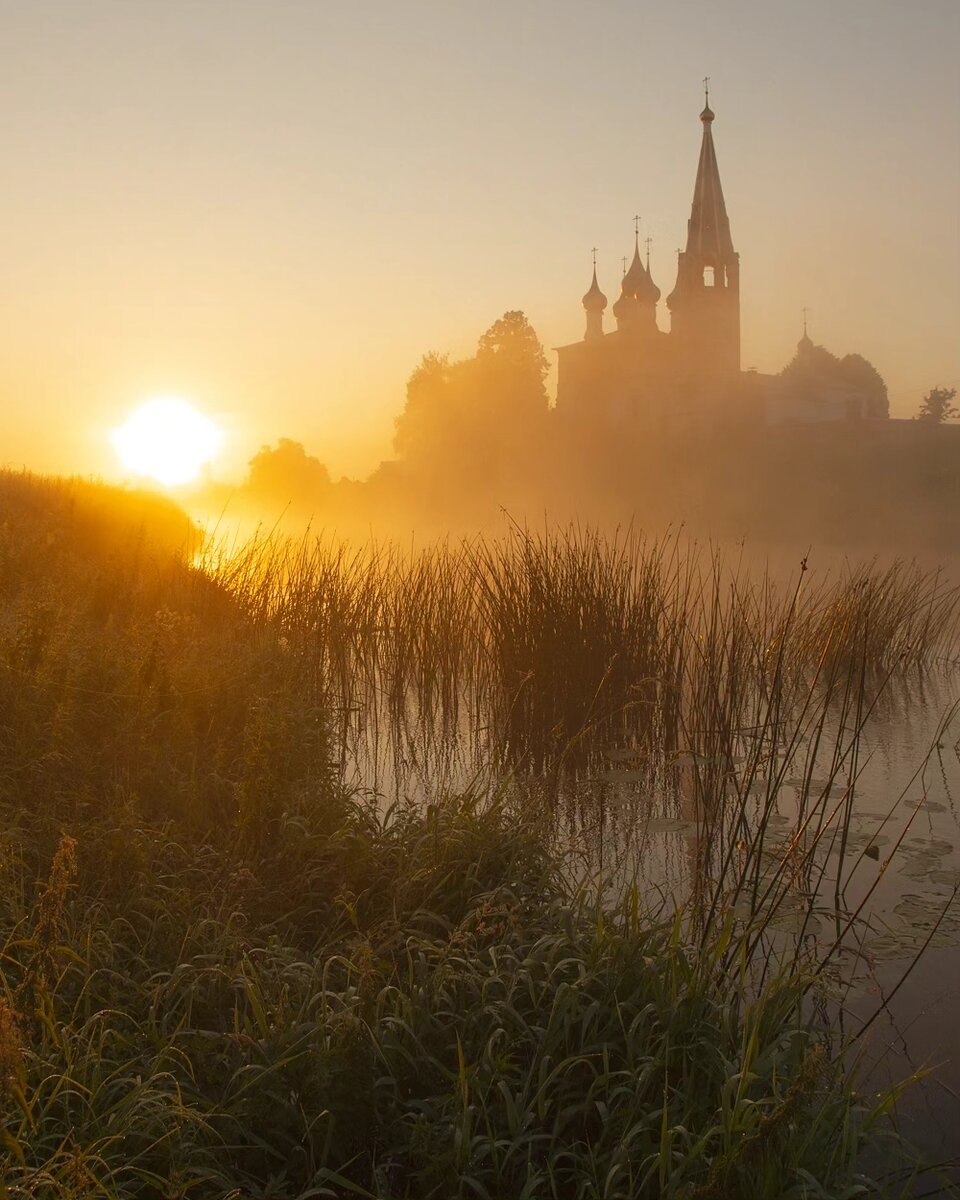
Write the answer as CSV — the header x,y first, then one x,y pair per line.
x,y
273,211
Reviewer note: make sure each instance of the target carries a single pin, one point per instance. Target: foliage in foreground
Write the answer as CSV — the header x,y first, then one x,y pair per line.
x,y
465,1025
234,980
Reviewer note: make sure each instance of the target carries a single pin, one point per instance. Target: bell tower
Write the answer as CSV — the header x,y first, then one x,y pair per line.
x,y
705,303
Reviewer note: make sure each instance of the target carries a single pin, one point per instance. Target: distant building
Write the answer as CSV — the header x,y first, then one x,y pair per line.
x,y
690,380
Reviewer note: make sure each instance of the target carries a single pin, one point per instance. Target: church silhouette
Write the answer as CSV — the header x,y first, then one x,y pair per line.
x,y
690,380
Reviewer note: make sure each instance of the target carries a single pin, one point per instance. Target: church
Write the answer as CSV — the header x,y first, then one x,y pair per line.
x,y
690,380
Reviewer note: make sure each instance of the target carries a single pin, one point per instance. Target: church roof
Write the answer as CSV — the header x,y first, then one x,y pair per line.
x,y
708,230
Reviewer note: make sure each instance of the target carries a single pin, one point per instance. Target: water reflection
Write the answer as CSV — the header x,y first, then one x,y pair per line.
x,y
861,788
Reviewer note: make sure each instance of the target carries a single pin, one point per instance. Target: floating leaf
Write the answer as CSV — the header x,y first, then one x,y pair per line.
x,y
858,840
670,825
817,787
932,806
951,877
796,922
929,845
924,912
888,948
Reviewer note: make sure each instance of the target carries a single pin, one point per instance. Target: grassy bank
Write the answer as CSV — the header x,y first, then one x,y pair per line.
x,y
223,976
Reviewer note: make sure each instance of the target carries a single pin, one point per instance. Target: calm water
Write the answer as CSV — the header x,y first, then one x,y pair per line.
x,y
629,813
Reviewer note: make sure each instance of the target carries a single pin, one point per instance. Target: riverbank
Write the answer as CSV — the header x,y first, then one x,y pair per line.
x,y
224,974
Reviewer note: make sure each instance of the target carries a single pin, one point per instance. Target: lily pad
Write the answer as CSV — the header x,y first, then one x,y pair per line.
x,y
796,922
922,913
932,806
927,845
949,876
888,948
817,787
670,825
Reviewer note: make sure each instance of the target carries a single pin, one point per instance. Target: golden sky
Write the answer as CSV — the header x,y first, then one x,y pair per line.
x,y
273,207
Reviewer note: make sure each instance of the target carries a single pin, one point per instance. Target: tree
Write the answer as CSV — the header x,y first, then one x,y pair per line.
x,y
429,412
814,370
511,349
864,376
811,362
287,474
479,416
937,406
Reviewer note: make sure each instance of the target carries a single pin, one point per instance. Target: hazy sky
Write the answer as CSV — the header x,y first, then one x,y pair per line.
x,y
274,207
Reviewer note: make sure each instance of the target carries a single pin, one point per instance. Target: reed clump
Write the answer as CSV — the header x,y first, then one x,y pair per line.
x,y
549,639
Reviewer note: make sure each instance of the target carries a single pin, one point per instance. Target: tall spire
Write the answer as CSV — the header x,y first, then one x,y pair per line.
x,y
708,230
705,303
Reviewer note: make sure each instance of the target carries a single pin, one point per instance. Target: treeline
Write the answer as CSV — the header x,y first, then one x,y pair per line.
x,y
478,435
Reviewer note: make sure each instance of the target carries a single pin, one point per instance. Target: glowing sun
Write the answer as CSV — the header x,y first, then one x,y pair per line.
x,y
167,440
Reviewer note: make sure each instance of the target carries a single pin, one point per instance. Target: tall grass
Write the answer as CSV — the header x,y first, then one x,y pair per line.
x,y
466,1024
554,637
224,976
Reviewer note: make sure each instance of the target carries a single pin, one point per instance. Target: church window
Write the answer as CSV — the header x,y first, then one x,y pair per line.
x,y
708,277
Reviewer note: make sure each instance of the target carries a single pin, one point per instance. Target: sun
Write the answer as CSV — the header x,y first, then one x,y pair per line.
x,y
167,440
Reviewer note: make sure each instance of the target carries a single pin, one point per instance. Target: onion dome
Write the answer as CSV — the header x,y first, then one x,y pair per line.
x,y
626,305
633,281
594,300
637,281
707,115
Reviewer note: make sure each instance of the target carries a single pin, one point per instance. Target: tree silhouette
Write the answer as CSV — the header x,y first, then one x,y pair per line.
x,y
468,418
512,349
814,368
430,416
864,376
286,474
937,406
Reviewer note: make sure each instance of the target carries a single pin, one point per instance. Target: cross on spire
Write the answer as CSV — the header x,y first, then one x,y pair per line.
x,y
805,311
647,242
624,262
706,89
636,226
593,251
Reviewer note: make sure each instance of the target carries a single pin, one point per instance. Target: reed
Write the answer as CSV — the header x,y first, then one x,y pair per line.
x,y
547,637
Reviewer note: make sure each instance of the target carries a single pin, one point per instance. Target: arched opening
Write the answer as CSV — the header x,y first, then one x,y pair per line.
x,y
708,277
